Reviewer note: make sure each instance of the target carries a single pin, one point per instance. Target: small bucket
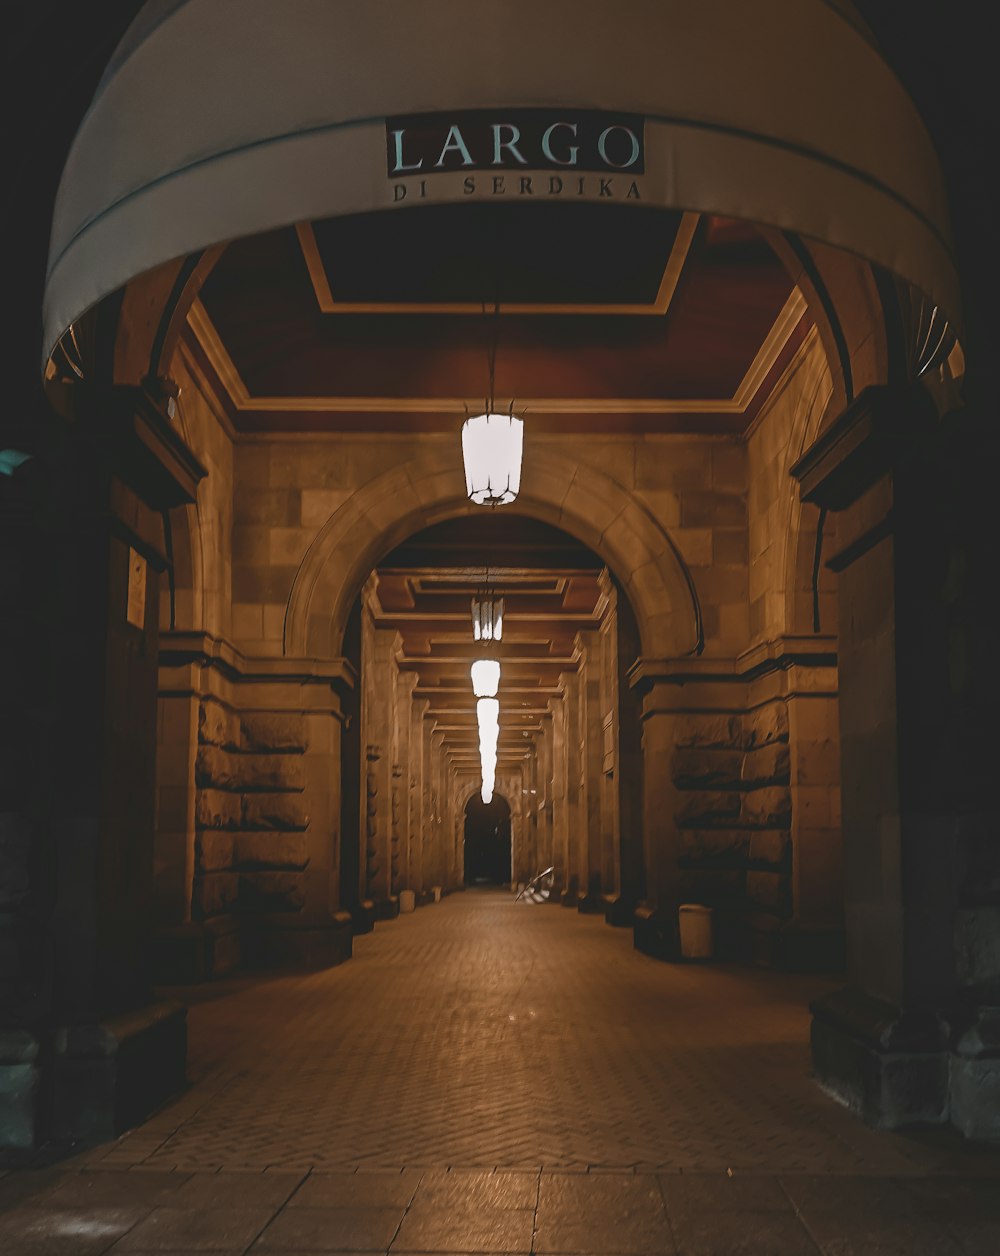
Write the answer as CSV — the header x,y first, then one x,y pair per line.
x,y
696,931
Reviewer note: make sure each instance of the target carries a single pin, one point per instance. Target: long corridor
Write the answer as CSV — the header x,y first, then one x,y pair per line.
x,y
492,1076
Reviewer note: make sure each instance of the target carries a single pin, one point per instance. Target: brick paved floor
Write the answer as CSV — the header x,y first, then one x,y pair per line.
x,y
492,1077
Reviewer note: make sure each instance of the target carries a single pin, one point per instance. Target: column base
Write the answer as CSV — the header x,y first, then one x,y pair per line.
x,y
387,908
975,1078
890,1067
362,916
108,1077
619,912
18,1091
425,898
655,932
197,951
300,941
591,905
569,898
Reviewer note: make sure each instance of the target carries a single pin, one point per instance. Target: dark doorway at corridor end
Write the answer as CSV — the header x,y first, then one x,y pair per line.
x,y
487,841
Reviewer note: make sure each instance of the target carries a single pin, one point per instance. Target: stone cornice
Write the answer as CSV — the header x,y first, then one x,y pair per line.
x,y
856,450
766,657
181,648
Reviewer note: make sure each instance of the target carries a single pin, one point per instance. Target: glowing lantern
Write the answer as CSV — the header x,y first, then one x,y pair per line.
x,y
491,450
485,678
487,618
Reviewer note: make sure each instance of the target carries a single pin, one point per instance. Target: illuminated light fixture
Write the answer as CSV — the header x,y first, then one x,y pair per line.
x,y
487,715
485,678
486,795
492,443
488,719
491,449
487,617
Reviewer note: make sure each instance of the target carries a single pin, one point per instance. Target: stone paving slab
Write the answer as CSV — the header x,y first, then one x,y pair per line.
x,y
490,1078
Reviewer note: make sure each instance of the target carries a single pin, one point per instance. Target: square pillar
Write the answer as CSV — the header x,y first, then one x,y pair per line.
x,y
914,1036
91,1052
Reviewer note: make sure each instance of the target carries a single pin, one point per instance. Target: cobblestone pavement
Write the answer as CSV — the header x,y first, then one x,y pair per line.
x,y
494,1077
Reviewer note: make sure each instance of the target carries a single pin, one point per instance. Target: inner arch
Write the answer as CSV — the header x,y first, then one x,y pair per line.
x,y
592,507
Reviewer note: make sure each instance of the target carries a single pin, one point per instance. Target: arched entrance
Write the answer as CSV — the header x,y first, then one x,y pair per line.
x,y
487,841
314,443
567,767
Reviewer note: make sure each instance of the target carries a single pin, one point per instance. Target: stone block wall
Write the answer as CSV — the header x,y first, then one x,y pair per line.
x,y
251,849
783,533
735,815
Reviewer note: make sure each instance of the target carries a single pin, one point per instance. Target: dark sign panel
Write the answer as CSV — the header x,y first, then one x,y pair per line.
x,y
512,139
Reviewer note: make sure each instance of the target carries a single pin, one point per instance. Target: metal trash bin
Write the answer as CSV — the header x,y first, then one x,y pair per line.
x,y
407,900
696,931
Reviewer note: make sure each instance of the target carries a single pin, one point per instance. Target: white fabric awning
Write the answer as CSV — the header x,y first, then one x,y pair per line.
x,y
221,118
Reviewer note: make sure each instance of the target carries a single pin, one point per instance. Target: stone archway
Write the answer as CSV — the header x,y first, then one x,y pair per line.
x,y
588,505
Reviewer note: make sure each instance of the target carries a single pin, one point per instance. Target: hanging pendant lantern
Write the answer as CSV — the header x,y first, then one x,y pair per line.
x,y
488,719
487,617
491,450
485,678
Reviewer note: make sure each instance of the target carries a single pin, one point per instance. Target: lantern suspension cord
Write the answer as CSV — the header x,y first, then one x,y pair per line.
x,y
491,354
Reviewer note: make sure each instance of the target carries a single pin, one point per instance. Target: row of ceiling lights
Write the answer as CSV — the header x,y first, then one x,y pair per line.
x,y
492,446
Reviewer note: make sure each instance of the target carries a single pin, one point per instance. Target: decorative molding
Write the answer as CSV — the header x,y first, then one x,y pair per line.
x,y
328,304
854,452
241,400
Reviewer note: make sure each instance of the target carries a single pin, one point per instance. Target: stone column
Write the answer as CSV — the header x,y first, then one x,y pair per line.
x,y
378,672
655,929
560,802
630,789
609,717
85,1052
915,1037
263,886
814,937
592,771
576,795
403,756
438,857
543,853
526,849
418,789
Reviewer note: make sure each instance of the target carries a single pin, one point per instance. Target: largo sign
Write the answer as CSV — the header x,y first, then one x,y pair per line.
x,y
507,144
